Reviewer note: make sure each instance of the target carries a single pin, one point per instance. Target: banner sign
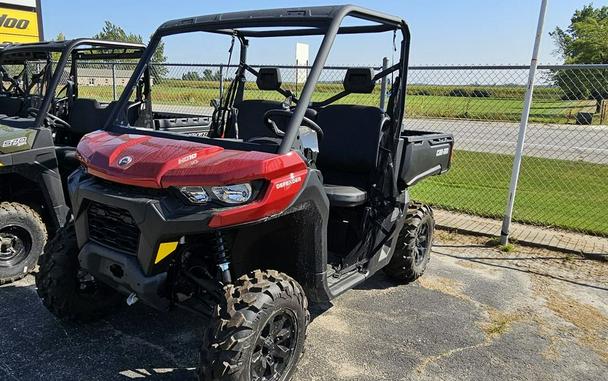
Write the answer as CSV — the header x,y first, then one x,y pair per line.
x,y
20,21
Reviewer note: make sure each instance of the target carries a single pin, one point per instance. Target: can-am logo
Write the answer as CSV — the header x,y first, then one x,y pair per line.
x,y
13,23
288,183
124,161
442,152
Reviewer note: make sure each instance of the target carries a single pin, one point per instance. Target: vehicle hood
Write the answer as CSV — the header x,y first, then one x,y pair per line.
x,y
155,162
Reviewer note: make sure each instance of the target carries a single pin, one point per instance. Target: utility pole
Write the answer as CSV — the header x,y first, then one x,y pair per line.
x,y
525,116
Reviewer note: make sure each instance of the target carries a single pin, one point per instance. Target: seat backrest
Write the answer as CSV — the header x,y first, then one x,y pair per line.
x,y
251,118
132,112
87,115
10,106
251,112
348,153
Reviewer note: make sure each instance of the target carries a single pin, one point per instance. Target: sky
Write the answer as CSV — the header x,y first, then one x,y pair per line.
x,y
444,32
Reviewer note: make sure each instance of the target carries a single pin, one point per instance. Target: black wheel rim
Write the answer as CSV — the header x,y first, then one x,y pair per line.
x,y
275,347
15,245
423,239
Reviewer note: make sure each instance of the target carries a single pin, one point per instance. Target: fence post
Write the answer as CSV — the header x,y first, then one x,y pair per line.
x,y
525,115
113,80
221,81
383,85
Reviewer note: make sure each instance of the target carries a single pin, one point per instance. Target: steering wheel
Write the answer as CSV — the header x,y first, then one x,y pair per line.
x,y
58,121
272,126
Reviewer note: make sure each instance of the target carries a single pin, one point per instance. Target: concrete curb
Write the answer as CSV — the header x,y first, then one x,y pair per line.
x,y
591,247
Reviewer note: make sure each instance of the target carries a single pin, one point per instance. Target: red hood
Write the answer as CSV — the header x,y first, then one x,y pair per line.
x,y
154,162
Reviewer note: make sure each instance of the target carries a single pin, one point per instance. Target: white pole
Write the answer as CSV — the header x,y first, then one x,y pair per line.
x,y
384,85
113,80
525,115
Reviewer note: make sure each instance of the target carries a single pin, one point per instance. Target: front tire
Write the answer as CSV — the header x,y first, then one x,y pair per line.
x,y
65,289
22,239
259,333
414,245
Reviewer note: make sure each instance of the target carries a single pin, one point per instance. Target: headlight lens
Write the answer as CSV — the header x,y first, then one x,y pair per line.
x,y
233,194
196,195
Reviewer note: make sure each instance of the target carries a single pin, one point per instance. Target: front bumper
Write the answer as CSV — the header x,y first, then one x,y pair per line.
x,y
123,273
157,216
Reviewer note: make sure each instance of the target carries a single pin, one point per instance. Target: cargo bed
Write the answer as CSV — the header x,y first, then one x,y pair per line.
x,y
424,154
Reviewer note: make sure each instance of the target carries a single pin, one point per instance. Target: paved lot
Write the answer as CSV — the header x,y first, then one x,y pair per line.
x,y
477,314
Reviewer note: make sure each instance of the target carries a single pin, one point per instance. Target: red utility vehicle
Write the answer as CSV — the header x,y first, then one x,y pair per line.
x,y
277,204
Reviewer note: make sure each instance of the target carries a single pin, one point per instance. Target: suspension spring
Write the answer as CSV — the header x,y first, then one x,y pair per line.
x,y
223,263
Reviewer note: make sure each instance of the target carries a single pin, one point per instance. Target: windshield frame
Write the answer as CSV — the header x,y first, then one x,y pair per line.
x,y
70,50
325,21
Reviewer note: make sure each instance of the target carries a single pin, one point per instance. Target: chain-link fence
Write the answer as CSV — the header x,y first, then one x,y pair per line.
x,y
564,175
564,178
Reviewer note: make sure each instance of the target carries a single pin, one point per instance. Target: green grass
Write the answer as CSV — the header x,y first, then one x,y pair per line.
x,y
550,111
558,193
548,107
508,248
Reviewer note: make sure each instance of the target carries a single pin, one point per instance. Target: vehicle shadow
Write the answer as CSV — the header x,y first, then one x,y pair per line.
x,y
379,281
545,265
318,309
135,343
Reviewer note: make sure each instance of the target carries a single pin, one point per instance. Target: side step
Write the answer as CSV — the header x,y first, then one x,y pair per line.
x,y
343,283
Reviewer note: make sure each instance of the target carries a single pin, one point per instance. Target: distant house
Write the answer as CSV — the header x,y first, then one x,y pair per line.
x,y
99,77
102,76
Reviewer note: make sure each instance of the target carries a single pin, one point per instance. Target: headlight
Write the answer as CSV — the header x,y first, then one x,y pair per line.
x,y
233,194
196,195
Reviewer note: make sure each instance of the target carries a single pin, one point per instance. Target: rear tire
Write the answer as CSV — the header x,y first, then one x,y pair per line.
x,y
67,291
414,245
22,239
259,331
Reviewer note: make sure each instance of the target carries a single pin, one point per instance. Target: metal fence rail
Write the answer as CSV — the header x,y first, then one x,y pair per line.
x,y
564,178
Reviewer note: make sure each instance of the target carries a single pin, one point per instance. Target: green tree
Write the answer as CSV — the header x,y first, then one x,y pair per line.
x,y
60,37
208,75
191,76
585,41
113,32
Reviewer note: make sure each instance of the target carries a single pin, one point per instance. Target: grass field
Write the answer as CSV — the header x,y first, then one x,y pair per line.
x,y
547,108
542,197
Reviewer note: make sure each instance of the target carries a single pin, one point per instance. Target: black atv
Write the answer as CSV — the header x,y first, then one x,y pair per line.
x,y
281,202
42,118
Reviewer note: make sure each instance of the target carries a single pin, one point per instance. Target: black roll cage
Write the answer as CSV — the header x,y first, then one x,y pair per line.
x,y
82,49
326,21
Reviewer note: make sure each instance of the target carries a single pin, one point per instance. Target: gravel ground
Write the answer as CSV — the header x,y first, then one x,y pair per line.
x,y
477,313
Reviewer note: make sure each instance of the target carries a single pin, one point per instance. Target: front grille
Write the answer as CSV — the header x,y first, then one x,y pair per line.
x,y
113,227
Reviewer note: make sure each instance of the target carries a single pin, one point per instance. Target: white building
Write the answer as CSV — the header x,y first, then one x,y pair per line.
x,y
103,76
